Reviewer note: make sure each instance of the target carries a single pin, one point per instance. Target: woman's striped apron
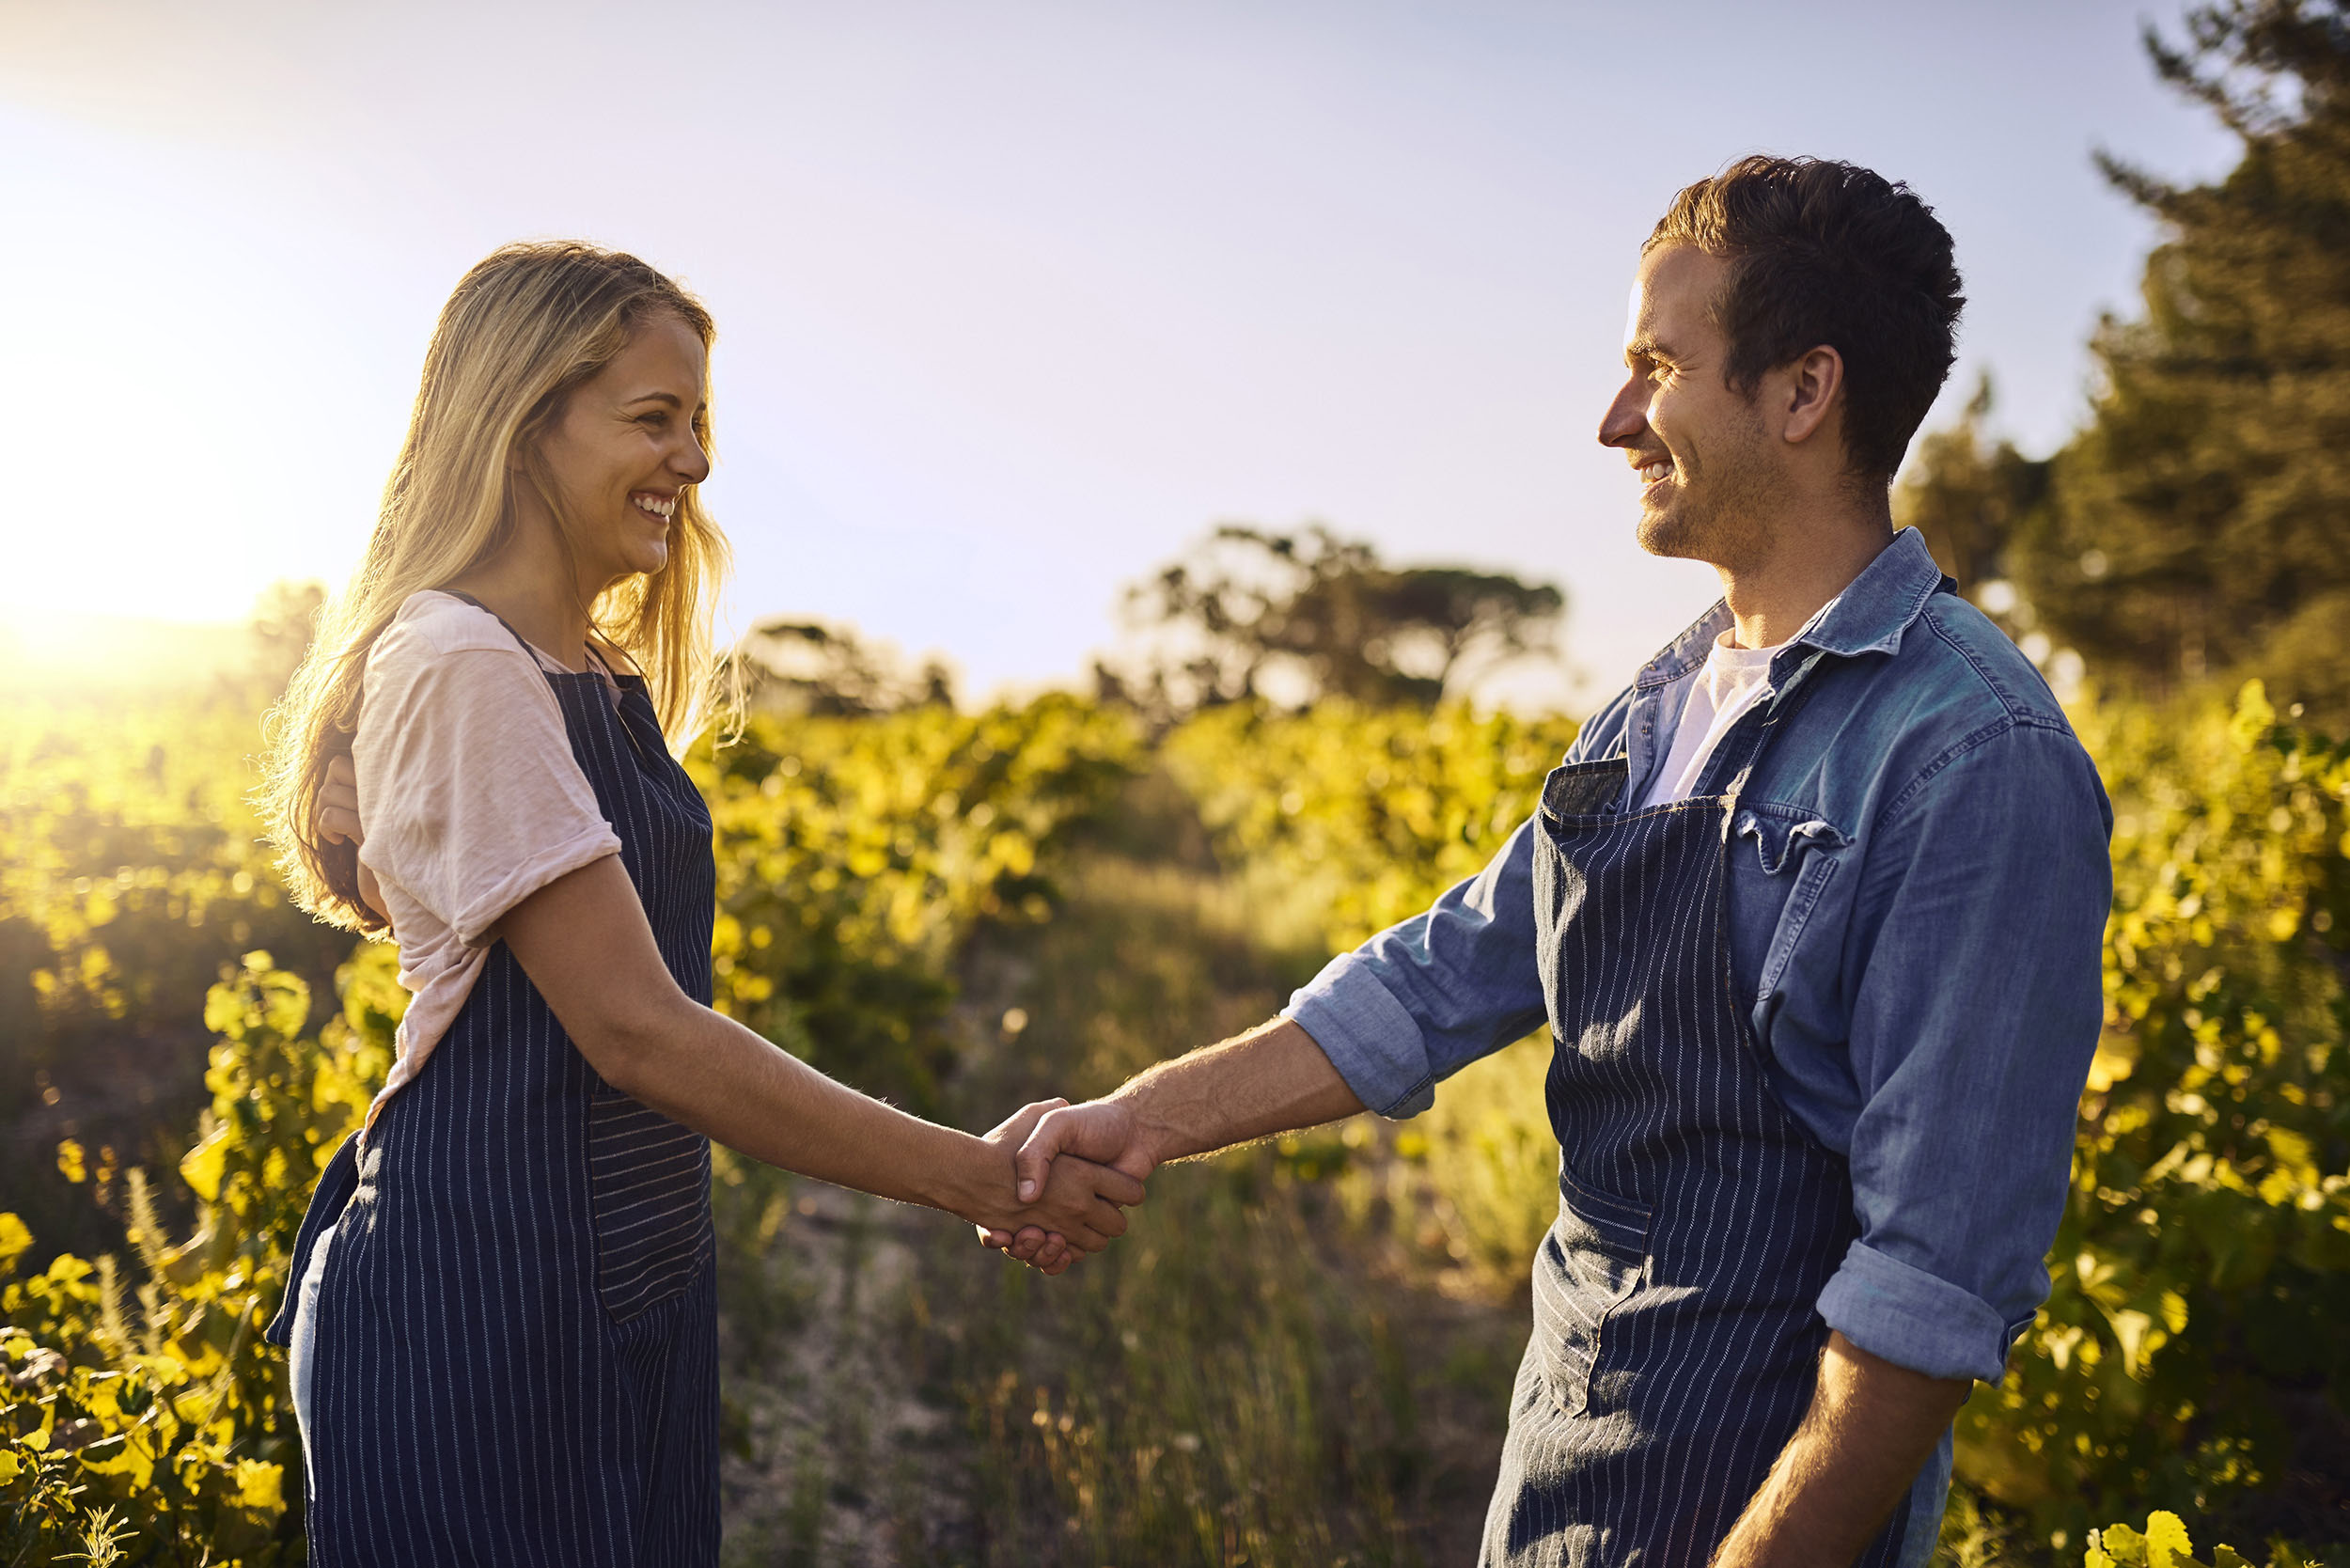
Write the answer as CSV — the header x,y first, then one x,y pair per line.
x,y
516,1354
1676,1337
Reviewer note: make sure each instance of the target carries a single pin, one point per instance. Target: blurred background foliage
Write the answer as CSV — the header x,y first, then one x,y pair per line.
x,y
1302,1353
2193,527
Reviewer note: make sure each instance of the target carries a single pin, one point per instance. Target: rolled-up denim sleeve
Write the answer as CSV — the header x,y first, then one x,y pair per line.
x,y
1978,934
1423,999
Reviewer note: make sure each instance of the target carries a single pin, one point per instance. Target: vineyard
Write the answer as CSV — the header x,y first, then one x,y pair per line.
x,y
1301,1353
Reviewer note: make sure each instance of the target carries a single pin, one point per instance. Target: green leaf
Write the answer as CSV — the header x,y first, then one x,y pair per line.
x,y
14,1238
2166,1543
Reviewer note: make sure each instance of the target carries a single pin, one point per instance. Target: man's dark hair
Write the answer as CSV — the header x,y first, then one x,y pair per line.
x,y
1823,252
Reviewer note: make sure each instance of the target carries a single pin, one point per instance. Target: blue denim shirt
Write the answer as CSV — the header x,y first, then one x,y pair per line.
x,y
1918,892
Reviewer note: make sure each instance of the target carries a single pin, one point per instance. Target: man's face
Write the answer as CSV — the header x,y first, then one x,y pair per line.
x,y
1704,456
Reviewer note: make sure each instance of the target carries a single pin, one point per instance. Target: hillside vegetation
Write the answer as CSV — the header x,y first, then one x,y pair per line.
x,y
1302,1353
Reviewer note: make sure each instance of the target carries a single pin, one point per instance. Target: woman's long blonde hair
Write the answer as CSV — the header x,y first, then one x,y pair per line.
x,y
524,328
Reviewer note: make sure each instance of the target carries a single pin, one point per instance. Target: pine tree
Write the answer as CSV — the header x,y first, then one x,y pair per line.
x,y
2201,522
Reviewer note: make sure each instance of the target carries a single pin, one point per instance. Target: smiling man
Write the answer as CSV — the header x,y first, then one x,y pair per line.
x,y
1813,910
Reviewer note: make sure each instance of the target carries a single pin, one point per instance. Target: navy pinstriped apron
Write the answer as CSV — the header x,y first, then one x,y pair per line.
x,y
517,1354
1676,1336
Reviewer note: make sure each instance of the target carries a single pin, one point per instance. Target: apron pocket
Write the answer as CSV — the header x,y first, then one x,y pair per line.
x,y
1593,1258
649,1183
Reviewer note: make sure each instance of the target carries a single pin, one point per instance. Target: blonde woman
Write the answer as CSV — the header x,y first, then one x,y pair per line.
x,y
503,1322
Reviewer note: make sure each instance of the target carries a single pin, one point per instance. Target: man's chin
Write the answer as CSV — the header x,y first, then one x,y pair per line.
x,y
1663,532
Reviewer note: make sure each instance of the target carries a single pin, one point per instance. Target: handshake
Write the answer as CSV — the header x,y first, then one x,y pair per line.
x,y
1075,1168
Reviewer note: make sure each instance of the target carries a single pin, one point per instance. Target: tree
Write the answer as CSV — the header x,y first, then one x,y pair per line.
x,y
2201,522
1293,616
1967,493
806,667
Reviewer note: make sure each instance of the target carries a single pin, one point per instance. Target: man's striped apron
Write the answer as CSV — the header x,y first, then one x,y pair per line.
x,y
1676,1339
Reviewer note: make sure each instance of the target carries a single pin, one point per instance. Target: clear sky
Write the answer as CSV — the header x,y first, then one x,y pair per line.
x,y
1016,297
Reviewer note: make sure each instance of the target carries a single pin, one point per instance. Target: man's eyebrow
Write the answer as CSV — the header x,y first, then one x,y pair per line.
x,y
1645,347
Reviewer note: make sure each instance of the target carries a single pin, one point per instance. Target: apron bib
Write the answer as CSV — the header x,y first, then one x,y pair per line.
x,y
1676,1334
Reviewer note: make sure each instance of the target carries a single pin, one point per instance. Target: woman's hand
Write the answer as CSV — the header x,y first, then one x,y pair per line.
x,y
337,808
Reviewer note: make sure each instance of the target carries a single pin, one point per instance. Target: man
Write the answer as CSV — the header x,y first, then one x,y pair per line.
x,y
1814,909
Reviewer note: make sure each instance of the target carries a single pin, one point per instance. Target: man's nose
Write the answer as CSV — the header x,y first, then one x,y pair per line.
x,y
1626,419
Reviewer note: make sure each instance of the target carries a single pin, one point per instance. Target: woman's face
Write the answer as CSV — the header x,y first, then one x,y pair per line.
x,y
628,443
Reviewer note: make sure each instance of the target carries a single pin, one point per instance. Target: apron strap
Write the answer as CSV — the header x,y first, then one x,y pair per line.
x,y
469,599
1783,705
599,665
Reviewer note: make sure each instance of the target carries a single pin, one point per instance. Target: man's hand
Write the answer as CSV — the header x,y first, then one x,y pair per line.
x,y
338,801
338,808
1272,1079
1048,1251
1105,1132
1871,1428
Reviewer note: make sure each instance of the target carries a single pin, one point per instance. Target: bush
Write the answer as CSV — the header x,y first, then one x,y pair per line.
x,y
2165,1545
133,878
147,1425
854,854
2202,1272
1366,812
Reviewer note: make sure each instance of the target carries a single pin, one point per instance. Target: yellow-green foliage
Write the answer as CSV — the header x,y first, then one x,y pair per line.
x,y
1365,815
2204,1261
854,854
154,1405
132,876
1375,810
133,865
2205,1258
2165,1545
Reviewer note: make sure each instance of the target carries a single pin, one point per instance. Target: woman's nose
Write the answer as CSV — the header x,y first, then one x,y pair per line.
x,y
694,463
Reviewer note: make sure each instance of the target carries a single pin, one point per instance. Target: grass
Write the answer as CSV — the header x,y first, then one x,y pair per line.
x,y
1244,1380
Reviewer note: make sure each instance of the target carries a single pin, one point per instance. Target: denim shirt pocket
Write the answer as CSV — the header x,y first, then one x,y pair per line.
x,y
1789,841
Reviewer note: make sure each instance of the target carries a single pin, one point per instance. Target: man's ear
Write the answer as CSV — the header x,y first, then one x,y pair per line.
x,y
1815,381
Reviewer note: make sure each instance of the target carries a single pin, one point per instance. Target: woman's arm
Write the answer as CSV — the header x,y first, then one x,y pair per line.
x,y
584,941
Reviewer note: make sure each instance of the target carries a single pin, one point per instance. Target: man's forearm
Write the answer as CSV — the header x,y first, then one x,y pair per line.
x,y
1272,1079
1871,1428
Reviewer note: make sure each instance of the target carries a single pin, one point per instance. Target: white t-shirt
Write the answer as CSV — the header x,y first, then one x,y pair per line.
x,y
469,801
1731,681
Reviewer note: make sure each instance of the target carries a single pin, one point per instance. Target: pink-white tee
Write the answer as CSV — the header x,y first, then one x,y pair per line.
x,y
469,801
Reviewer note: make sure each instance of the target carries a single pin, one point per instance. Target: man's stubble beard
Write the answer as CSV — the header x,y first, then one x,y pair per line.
x,y
1723,509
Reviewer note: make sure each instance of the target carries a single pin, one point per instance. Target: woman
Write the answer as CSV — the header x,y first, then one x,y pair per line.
x,y
504,1327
